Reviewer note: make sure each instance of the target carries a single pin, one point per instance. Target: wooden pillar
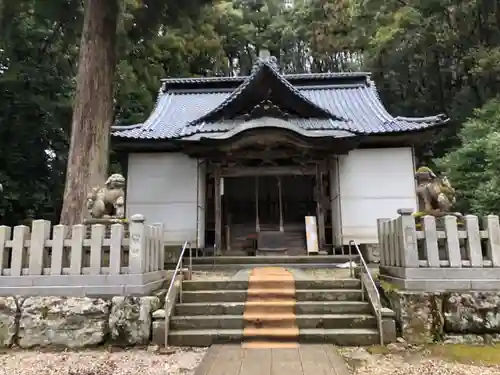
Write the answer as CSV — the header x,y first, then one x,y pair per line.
x,y
320,213
280,200
202,201
218,209
335,202
228,231
257,222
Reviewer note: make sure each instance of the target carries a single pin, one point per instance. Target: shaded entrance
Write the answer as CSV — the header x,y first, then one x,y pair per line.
x,y
253,204
263,183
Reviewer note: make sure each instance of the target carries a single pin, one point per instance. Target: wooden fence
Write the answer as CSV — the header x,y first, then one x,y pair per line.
x,y
61,261
440,253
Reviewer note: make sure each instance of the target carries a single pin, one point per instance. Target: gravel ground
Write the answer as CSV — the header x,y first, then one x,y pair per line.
x,y
398,365
174,361
408,361
177,361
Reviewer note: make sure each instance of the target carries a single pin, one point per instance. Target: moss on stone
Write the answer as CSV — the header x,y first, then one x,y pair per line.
x,y
378,349
388,287
44,312
463,353
424,169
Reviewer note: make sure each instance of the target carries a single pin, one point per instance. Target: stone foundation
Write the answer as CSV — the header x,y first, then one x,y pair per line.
x,y
78,322
472,317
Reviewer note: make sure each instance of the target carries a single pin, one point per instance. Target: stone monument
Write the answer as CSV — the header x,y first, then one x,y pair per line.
x,y
106,204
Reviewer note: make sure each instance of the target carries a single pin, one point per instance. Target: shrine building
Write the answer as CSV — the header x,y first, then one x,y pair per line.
x,y
224,159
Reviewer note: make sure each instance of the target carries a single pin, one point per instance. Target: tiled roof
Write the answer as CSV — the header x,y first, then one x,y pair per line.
x,y
343,103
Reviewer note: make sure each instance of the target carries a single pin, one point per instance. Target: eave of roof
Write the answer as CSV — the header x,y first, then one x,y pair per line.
x,y
186,106
292,78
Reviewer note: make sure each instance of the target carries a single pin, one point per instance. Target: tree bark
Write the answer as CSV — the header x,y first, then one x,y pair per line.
x,y
92,108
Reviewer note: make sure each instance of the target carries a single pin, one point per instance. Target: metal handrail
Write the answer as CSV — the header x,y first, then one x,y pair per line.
x,y
377,309
178,267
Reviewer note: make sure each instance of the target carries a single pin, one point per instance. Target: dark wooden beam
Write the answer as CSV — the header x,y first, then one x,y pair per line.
x,y
218,209
267,171
338,146
317,150
320,191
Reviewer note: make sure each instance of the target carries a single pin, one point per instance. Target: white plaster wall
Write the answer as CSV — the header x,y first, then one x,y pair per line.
x,y
374,183
163,188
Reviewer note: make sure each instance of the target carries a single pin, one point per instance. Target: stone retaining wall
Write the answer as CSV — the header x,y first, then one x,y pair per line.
x,y
78,322
452,317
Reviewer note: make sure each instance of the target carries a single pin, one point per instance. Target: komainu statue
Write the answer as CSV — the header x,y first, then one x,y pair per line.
x,y
435,194
108,202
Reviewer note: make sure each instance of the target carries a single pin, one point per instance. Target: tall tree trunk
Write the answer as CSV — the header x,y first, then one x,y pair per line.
x,y
92,108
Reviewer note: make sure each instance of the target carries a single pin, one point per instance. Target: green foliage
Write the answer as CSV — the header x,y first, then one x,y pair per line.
x,y
434,56
474,168
427,57
38,57
36,86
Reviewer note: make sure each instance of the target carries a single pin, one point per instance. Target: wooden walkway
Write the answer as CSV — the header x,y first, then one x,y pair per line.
x,y
306,359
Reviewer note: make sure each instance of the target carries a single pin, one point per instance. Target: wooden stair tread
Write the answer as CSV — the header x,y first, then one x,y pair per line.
x,y
260,315
274,279
268,331
270,291
269,345
271,302
271,316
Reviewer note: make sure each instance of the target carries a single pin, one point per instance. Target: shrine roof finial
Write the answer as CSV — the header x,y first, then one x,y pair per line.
x,y
265,56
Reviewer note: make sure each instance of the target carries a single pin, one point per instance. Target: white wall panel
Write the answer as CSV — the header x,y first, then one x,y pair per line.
x,y
163,188
374,183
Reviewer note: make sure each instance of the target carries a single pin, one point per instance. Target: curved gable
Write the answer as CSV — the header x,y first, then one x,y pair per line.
x,y
270,123
265,92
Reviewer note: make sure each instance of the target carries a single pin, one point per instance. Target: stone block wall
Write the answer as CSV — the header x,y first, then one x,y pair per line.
x,y
451,317
78,322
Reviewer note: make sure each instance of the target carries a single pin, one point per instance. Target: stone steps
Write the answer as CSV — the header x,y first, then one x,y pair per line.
x,y
260,306
311,321
211,285
268,311
274,310
304,307
276,260
341,337
293,238
232,267
300,294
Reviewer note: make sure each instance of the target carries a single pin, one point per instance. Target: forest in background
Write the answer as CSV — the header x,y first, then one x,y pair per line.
x,y
426,56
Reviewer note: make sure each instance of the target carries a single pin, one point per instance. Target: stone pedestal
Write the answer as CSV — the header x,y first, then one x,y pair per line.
x,y
107,222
